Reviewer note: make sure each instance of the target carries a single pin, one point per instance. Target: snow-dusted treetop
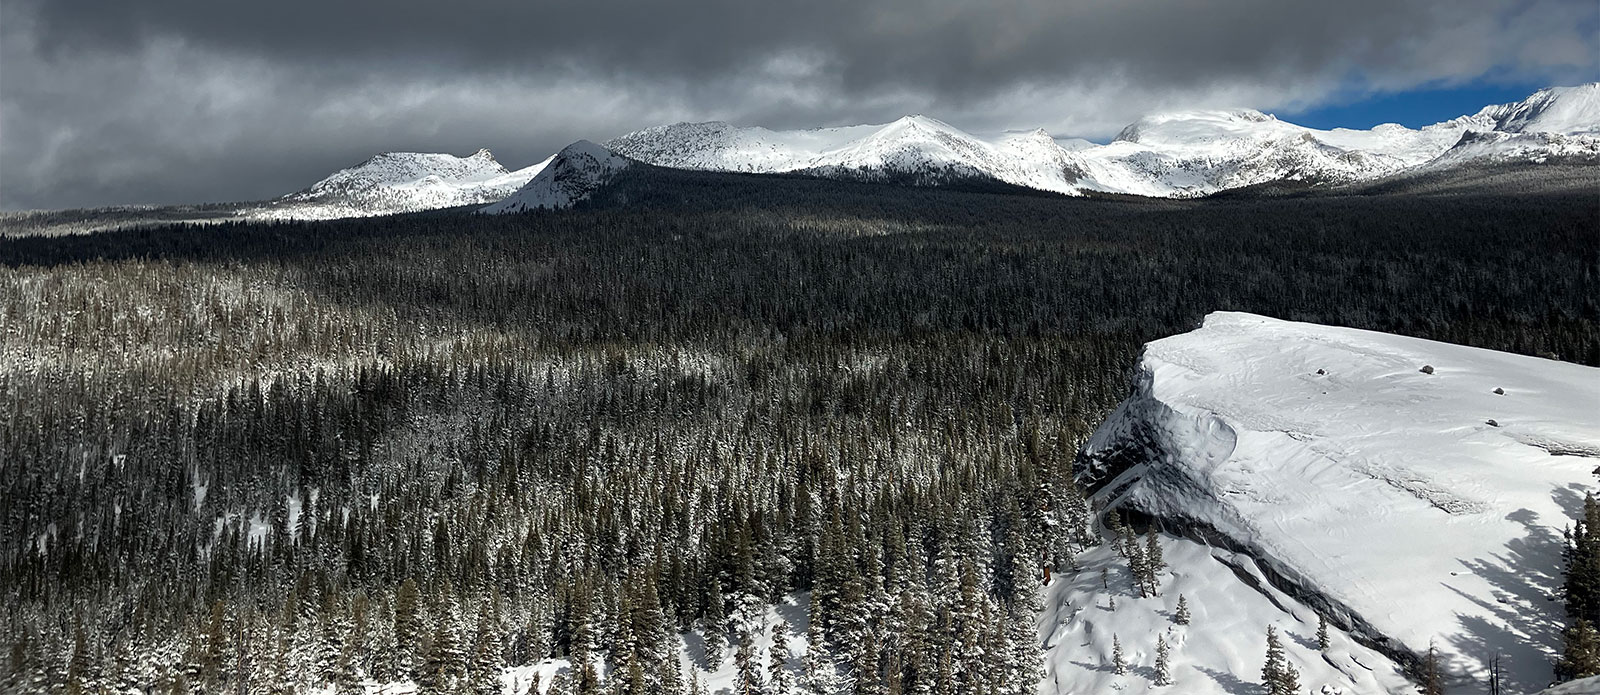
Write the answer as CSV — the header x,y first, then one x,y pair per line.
x,y
1387,477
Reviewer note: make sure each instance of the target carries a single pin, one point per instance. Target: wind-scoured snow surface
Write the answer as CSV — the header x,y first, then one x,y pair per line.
x,y
572,175
398,182
1411,505
1181,154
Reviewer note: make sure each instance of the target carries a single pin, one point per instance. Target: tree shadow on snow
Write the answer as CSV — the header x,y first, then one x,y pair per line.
x,y
1526,631
1229,682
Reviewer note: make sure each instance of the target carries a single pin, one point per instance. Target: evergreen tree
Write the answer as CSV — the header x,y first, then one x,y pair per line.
x,y
716,625
1580,652
744,660
1163,670
779,680
1155,564
1322,633
407,628
821,676
1181,616
559,685
1119,664
1278,676
487,661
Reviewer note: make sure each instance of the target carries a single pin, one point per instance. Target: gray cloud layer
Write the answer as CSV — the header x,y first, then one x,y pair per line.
x,y
162,101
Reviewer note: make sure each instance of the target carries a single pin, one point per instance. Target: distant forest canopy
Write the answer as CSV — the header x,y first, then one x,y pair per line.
x,y
424,447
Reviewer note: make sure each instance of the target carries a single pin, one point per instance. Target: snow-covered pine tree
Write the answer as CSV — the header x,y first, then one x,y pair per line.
x,y
559,685
487,660
1155,564
744,659
779,680
1322,633
716,625
408,622
1580,652
821,677
1181,616
1119,532
1290,679
1138,568
1027,662
864,665
1278,675
1119,663
1163,668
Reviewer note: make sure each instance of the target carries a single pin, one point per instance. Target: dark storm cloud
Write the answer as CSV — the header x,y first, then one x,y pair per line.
x,y
106,101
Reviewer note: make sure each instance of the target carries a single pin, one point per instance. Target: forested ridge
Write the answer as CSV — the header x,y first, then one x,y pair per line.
x,y
262,457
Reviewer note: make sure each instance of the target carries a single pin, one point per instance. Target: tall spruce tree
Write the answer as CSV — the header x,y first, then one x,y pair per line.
x,y
1580,652
1272,672
1163,668
779,680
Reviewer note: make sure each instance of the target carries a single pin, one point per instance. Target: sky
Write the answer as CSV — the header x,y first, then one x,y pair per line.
x,y
106,102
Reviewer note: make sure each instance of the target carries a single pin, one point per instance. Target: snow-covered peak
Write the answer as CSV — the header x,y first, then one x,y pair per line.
x,y
1193,127
397,168
572,175
1563,110
1174,154
1413,491
397,182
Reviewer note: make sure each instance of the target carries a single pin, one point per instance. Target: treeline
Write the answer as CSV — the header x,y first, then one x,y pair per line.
x,y
263,457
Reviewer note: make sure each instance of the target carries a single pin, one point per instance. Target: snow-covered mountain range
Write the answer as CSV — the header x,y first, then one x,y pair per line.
x,y
397,182
1413,492
1180,154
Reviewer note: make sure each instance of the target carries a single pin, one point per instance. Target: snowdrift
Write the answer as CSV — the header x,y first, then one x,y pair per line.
x,y
1412,491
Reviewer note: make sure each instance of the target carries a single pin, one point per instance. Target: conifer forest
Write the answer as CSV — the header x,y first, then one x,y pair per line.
x,y
275,457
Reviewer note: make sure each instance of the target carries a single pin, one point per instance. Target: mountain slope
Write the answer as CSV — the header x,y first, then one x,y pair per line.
x,y
572,175
917,148
1562,110
397,182
1412,505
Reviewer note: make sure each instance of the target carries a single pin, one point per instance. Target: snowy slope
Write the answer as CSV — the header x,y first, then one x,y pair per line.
x,y
1494,147
1562,110
1381,494
396,182
1221,650
568,177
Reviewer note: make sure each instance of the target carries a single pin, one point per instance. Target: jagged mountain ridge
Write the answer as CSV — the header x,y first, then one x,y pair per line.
x,y
1181,154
